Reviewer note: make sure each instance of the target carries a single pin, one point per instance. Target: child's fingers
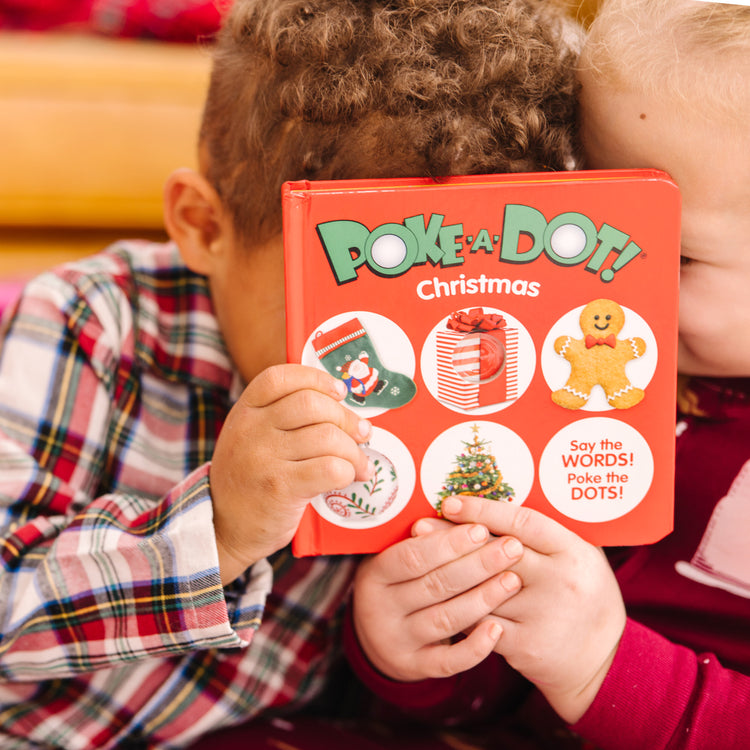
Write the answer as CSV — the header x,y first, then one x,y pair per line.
x,y
428,525
444,660
535,530
280,381
413,558
308,407
463,574
308,478
459,614
321,441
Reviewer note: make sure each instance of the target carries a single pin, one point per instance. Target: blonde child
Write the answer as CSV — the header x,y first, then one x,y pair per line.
x,y
156,452
657,654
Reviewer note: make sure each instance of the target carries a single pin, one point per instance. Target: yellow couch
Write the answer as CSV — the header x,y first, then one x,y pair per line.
x,y
89,129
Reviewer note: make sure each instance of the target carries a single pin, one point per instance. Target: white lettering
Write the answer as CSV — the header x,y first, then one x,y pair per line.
x,y
429,289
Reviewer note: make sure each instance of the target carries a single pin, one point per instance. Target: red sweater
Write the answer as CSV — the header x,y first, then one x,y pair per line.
x,y
681,677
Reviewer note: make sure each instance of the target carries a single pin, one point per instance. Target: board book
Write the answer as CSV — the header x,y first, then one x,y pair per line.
x,y
510,336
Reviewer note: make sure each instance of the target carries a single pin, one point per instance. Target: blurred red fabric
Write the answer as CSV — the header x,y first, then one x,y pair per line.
x,y
168,20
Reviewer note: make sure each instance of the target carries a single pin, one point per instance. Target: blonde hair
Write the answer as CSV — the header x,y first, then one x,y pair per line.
x,y
683,50
336,89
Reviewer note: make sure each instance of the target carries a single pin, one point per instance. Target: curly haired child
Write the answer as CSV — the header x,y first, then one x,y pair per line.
x,y
656,654
156,451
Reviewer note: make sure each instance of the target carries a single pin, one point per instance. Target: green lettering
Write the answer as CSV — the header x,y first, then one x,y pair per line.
x,y
343,242
450,246
482,242
427,237
609,239
522,220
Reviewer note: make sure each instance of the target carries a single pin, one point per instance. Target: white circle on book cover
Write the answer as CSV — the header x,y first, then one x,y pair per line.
x,y
556,369
525,363
596,469
388,251
365,505
568,241
393,347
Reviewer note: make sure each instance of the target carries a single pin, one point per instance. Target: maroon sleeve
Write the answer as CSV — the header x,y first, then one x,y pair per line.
x,y
489,690
661,695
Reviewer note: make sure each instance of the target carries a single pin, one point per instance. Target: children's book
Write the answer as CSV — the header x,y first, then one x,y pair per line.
x,y
509,336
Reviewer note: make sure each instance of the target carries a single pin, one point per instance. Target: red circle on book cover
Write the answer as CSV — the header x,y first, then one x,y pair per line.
x,y
478,357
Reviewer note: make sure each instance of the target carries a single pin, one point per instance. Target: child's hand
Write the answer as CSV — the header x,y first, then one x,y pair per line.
x,y
287,439
412,598
562,629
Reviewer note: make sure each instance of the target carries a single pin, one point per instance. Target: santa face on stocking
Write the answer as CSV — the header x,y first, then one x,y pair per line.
x,y
361,379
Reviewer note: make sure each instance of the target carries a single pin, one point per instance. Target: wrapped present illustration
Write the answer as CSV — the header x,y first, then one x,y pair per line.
x,y
477,359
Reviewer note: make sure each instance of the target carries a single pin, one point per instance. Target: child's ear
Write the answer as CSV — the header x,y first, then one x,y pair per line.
x,y
194,218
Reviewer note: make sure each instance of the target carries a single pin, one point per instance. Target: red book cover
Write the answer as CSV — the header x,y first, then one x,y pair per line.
x,y
510,336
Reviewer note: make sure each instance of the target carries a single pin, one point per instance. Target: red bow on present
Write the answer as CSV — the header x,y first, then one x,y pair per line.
x,y
475,320
594,341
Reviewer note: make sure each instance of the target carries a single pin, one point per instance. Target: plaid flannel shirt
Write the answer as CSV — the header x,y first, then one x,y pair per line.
x,y
115,628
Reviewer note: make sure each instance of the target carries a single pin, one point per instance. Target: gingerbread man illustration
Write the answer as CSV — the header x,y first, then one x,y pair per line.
x,y
599,358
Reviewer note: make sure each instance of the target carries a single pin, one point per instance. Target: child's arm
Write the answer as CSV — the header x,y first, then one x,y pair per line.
x,y
107,568
622,685
411,599
286,440
106,516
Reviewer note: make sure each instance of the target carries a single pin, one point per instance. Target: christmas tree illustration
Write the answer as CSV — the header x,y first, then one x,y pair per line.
x,y
476,473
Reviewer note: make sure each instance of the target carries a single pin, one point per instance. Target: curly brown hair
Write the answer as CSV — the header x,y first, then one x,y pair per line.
x,y
337,89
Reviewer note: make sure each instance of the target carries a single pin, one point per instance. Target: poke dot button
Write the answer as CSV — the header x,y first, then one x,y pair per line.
x,y
478,357
491,357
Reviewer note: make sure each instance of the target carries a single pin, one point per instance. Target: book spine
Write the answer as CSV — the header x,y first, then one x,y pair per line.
x,y
294,204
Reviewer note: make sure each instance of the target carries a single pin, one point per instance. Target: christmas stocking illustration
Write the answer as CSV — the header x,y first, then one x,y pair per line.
x,y
347,352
